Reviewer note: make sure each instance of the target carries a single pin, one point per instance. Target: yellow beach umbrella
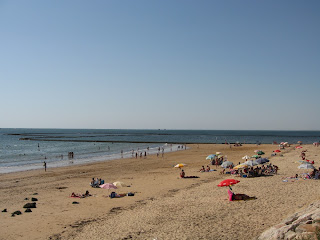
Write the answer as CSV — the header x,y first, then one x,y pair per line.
x,y
180,165
240,166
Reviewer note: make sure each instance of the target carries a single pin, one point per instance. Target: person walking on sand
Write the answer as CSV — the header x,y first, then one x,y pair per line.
x,y
45,166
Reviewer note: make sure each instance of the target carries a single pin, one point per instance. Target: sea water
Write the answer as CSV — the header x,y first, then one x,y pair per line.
x,y
26,149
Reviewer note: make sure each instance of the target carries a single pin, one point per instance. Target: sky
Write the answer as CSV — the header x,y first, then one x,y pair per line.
x,y
162,64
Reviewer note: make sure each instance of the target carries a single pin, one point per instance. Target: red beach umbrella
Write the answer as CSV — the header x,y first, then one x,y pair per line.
x,y
228,182
277,150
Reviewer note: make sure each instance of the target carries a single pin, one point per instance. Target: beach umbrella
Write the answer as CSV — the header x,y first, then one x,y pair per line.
x,y
250,163
257,151
246,157
298,147
299,142
108,186
228,182
180,165
119,184
240,166
277,151
219,156
260,153
227,164
261,160
306,166
210,157
256,156
218,153
310,161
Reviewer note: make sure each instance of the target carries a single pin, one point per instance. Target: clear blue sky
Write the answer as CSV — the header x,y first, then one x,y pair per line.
x,y
160,64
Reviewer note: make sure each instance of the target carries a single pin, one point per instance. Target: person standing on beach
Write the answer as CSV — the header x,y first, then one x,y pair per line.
x,y
45,166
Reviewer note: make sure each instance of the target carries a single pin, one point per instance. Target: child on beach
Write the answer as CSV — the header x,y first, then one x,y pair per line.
x,y
182,174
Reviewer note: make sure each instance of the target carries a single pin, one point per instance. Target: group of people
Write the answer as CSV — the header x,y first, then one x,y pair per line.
x,y
217,161
254,171
205,169
96,182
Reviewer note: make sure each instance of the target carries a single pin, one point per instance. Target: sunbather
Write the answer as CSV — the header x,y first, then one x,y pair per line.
x,y
238,196
115,195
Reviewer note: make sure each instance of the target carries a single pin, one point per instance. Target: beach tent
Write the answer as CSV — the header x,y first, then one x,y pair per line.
x,y
227,164
306,166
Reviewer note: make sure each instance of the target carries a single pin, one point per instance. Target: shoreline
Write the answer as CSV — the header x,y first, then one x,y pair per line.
x,y
158,189
67,162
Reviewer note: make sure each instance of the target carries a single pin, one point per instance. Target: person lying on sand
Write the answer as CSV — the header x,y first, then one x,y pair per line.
x,y
239,196
115,195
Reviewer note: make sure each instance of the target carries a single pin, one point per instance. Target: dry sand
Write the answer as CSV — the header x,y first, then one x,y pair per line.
x,y
164,206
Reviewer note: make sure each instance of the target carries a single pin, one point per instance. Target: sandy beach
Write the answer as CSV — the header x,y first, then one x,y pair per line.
x,y
164,206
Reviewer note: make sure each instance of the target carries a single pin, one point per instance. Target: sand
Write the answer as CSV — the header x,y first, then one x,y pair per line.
x,y
164,206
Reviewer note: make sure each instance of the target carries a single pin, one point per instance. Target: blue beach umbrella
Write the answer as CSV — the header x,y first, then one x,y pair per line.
x,y
262,160
210,157
227,164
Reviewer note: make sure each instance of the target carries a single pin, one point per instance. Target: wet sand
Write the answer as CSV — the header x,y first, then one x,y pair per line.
x,y
164,206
